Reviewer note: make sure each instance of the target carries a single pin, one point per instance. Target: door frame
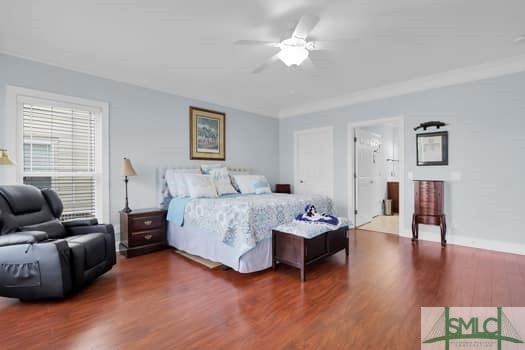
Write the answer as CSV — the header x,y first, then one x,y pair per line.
x,y
330,129
351,181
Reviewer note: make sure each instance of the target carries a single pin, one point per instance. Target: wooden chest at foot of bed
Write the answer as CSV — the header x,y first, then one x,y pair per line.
x,y
298,251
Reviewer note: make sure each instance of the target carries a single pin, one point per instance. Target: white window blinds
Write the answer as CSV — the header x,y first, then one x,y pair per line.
x,y
59,152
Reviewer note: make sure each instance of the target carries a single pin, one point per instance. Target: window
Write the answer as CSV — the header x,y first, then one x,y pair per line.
x,y
61,145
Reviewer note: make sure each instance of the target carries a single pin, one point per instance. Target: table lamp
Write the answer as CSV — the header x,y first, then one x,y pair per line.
x,y
4,158
127,170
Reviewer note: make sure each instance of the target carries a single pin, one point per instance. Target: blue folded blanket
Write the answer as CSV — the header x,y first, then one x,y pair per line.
x,y
311,215
176,210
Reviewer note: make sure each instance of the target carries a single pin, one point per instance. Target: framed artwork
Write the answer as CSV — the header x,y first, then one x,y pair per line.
x,y
432,148
207,134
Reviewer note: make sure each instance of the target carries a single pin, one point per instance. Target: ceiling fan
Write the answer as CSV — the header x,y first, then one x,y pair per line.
x,y
294,50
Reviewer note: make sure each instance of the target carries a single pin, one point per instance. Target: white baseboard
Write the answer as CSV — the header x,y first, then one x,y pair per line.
x,y
473,242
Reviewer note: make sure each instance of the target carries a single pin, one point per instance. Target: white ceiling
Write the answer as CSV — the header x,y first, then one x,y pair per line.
x,y
185,46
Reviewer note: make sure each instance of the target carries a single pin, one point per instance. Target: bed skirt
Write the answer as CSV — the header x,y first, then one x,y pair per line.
x,y
196,241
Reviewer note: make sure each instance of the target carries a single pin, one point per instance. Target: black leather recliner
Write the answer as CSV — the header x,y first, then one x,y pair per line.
x,y
42,257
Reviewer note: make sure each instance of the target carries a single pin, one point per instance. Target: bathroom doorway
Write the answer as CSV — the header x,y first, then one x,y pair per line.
x,y
377,157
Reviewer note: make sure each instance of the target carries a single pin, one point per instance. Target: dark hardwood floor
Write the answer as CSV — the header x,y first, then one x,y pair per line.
x,y
370,301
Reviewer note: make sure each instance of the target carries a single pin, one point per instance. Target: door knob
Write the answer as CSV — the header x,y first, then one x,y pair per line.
x,y
302,182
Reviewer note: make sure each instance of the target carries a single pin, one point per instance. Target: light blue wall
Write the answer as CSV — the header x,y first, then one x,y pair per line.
x,y
148,126
486,140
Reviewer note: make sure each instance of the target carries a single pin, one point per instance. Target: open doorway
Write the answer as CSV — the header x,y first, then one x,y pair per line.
x,y
377,161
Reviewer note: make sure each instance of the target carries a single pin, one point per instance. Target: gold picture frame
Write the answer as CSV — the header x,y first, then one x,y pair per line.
x,y
207,134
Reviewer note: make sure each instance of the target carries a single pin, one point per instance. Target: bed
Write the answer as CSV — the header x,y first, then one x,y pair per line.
x,y
234,230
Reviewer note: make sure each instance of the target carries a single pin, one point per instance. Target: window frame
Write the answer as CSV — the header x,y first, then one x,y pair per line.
x,y
15,96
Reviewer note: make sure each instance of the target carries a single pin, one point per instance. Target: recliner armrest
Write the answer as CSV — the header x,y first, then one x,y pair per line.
x,y
82,230
38,235
80,222
16,239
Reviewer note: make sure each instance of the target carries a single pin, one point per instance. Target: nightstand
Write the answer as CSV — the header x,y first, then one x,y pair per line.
x,y
142,231
283,188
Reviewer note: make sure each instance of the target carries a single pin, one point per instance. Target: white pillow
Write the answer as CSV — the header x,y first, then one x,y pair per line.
x,y
262,186
206,168
252,184
172,183
176,182
200,186
222,180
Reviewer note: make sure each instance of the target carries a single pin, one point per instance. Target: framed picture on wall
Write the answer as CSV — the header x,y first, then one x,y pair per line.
x,y
432,148
207,134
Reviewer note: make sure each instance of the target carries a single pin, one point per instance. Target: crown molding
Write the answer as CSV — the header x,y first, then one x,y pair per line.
x,y
130,82
487,70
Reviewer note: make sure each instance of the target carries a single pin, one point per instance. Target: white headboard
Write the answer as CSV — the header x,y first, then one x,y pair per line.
x,y
163,193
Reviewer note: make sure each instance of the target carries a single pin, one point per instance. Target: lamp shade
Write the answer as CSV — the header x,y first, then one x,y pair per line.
x,y
127,168
4,158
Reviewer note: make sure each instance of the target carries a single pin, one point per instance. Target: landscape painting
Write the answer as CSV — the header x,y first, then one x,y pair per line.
x,y
207,134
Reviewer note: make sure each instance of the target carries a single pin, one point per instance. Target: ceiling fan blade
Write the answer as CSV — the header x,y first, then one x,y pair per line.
x,y
305,26
266,64
256,43
319,45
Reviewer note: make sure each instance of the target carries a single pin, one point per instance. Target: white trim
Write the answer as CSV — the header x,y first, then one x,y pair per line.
x,y
39,95
330,129
493,69
350,164
453,77
73,68
13,93
468,241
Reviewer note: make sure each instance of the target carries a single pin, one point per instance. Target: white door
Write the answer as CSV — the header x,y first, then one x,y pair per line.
x,y
314,162
369,175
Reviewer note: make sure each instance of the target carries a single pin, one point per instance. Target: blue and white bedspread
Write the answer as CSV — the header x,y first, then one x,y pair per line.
x,y
244,220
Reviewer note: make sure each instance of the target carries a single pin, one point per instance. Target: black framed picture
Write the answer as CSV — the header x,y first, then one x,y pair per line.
x,y
432,148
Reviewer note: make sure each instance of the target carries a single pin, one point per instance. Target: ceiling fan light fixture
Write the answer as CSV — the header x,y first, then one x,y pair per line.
x,y
293,55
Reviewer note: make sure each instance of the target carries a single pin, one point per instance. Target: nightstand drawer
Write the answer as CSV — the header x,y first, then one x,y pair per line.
x,y
143,223
145,237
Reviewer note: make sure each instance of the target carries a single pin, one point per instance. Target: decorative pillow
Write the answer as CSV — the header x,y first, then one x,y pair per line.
x,y
200,186
222,180
175,179
234,183
252,184
262,186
